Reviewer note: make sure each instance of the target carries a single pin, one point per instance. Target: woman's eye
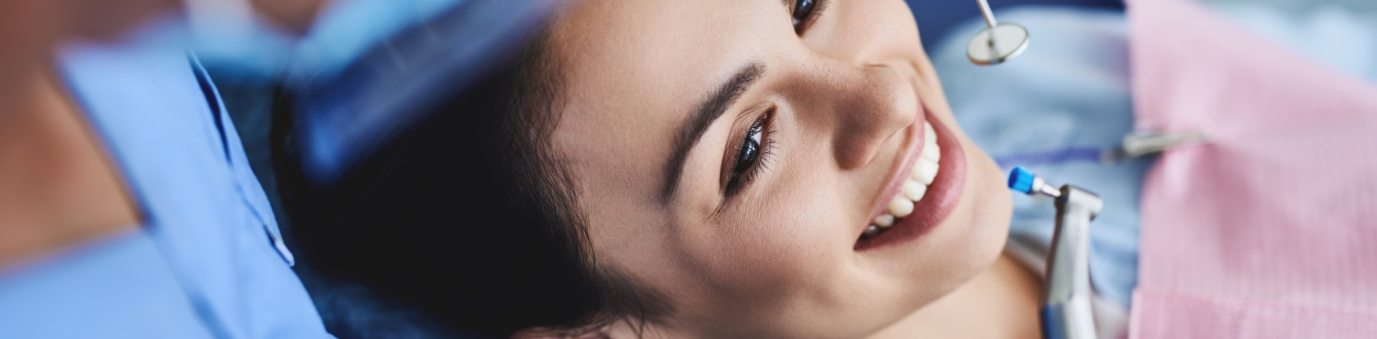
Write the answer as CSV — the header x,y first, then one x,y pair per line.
x,y
749,157
802,11
750,148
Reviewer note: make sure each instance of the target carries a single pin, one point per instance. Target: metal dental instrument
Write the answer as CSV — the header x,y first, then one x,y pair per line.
x,y
1066,304
998,42
1140,144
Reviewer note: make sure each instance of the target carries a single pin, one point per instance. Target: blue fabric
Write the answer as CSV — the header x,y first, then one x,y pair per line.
x,y
1326,31
207,260
342,32
1050,111
108,289
348,29
938,19
1068,96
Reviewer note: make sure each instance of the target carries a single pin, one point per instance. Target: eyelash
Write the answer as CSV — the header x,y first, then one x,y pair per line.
x,y
819,6
741,177
763,152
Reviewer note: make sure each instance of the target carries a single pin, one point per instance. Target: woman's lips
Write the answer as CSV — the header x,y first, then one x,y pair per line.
x,y
940,198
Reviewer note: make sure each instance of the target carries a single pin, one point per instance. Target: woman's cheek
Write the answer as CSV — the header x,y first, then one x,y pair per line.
x,y
799,240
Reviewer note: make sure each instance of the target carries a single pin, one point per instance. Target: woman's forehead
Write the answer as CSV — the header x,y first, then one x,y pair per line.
x,y
634,69
643,46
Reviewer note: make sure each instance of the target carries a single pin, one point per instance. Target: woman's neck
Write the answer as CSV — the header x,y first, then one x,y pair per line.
x,y
58,187
1001,302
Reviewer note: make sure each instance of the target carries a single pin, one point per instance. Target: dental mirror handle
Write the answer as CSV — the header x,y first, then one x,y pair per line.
x,y
1066,311
987,13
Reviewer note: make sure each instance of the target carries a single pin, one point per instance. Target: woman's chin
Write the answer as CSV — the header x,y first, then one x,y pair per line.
x,y
993,210
989,206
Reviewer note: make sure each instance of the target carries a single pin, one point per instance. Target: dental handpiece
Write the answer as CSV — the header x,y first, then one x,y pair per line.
x,y
1066,301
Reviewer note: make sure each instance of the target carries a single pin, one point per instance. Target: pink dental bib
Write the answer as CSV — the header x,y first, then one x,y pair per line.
x,y
1269,231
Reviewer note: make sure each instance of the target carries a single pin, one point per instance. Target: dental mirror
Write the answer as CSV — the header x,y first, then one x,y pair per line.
x,y
998,42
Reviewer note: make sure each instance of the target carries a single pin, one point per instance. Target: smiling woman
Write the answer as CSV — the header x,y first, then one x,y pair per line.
x,y
822,126
737,169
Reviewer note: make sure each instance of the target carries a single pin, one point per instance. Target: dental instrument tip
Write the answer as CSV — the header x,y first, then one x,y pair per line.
x,y
1023,181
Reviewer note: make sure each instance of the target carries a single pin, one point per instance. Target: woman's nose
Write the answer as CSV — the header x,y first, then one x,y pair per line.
x,y
862,107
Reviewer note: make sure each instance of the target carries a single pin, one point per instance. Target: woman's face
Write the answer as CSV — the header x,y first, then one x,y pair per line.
x,y
730,154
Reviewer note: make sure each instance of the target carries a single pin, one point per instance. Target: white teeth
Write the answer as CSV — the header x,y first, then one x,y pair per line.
x,y
884,220
931,151
914,190
932,154
925,171
900,207
929,135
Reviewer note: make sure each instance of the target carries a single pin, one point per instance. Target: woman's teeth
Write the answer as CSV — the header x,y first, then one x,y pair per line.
x,y
914,188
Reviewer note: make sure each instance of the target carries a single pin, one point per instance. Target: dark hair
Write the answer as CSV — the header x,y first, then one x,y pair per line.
x,y
469,218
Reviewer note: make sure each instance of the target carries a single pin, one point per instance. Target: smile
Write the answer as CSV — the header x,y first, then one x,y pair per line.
x,y
921,192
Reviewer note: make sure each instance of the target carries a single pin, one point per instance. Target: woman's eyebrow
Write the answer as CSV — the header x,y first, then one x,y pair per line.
x,y
702,116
